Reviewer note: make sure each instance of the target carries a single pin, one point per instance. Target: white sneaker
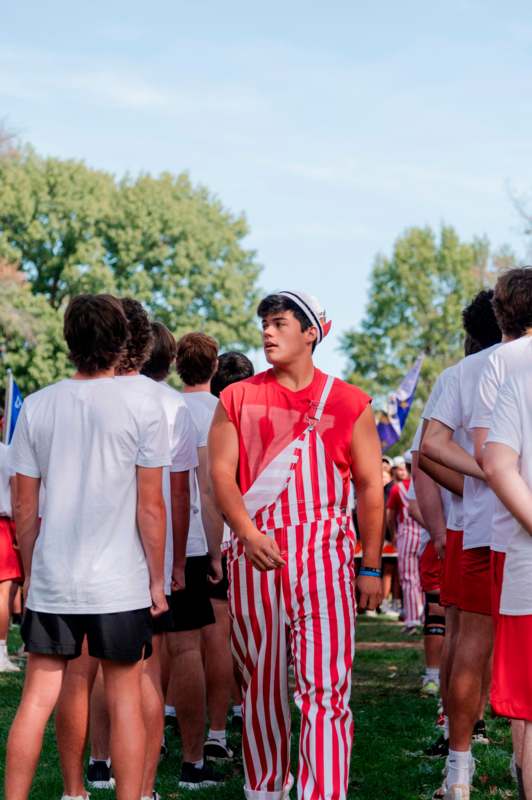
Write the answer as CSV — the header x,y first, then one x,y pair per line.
x,y
77,797
6,665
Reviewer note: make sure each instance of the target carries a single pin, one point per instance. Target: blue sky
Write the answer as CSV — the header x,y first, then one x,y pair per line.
x,y
334,126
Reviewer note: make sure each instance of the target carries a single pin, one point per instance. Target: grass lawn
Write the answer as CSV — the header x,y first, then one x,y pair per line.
x,y
393,725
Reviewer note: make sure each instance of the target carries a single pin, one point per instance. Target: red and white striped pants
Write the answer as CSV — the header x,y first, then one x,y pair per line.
x,y
408,564
304,612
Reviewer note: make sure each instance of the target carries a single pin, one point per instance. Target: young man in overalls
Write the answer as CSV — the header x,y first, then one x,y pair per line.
x,y
284,446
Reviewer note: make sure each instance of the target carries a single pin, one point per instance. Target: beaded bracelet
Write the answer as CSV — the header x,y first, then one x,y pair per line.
x,y
370,572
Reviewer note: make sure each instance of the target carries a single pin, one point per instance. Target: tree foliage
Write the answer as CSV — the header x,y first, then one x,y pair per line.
x,y
163,240
415,302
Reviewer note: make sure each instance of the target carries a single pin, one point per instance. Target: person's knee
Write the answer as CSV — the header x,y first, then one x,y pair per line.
x,y
434,615
184,643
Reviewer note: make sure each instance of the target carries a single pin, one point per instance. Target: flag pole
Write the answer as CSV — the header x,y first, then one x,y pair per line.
x,y
7,406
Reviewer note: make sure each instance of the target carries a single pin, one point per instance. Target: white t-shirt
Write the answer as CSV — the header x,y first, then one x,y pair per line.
x,y
455,409
85,439
183,450
201,406
504,362
6,473
511,424
452,503
425,535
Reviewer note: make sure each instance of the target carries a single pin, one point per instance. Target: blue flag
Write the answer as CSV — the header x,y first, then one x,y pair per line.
x,y
392,423
14,402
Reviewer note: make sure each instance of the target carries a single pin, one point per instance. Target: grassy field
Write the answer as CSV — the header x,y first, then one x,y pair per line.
x,y
393,725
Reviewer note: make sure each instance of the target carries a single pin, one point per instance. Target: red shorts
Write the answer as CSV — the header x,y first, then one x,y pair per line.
x,y
511,684
430,569
10,563
450,578
475,580
497,572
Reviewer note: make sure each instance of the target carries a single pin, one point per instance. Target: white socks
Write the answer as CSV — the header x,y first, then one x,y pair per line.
x,y
218,736
446,727
169,711
3,649
459,767
433,674
237,711
198,764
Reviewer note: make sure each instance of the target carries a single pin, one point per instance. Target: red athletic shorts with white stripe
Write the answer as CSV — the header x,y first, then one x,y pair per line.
x,y
450,579
475,581
10,563
511,684
497,572
430,569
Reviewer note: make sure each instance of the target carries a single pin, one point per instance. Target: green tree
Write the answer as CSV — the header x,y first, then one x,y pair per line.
x,y
162,240
31,334
415,301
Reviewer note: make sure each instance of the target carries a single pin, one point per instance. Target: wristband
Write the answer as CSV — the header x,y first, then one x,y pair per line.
x,y
370,572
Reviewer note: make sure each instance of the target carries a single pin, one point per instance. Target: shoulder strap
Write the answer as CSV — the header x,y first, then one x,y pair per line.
x,y
316,415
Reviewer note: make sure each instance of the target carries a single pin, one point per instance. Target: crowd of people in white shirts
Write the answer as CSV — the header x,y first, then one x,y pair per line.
x,y
102,593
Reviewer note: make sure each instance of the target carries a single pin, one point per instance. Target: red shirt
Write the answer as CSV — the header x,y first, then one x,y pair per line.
x,y
269,416
397,501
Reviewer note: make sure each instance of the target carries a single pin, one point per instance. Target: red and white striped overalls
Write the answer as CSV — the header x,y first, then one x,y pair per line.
x,y
408,542
303,612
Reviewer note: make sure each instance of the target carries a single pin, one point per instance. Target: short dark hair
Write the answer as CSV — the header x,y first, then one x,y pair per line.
x,y
277,304
232,367
479,320
196,358
512,301
163,353
140,339
95,330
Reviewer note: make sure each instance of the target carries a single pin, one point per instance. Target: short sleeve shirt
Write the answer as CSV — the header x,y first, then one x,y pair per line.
x,y
268,417
85,439
511,425
6,473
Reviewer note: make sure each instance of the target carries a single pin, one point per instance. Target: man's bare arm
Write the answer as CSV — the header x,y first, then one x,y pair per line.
x,y
366,457
430,504
180,501
501,465
438,444
261,550
479,438
151,520
415,512
26,515
213,522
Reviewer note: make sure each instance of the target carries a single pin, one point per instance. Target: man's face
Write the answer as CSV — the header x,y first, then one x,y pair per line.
x,y
401,473
283,340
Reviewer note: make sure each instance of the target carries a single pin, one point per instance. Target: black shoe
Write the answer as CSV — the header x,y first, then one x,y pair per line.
x,y
439,748
194,778
216,751
170,723
237,723
480,734
99,775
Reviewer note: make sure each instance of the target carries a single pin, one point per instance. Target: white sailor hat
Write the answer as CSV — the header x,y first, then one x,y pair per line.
x,y
312,309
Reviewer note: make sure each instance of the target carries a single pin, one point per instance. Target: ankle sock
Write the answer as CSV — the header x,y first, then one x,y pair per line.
x,y
237,711
446,727
433,674
169,711
93,760
3,648
458,764
218,736
198,764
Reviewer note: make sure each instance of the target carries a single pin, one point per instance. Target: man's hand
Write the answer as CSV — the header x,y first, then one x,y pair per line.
x,y
158,600
178,577
439,545
215,572
370,592
263,552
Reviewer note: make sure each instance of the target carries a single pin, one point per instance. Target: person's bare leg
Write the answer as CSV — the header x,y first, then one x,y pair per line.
x,y
486,685
72,720
153,709
473,651
15,599
128,735
518,739
218,665
387,579
164,657
5,591
99,720
526,755
187,687
452,626
42,686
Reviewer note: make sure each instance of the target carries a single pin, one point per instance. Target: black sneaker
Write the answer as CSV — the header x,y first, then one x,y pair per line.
x,y
439,748
99,775
170,723
237,723
480,734
214,750
194,778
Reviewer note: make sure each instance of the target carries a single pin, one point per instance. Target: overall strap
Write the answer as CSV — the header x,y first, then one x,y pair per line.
x,y
314,417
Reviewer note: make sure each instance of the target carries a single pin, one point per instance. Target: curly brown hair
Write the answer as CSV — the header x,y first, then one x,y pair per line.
x,y
140,338
197,358
96,331
163,353
512,301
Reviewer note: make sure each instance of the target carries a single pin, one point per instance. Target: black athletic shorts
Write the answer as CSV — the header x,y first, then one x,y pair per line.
x,y
122,636
218,591
192,609
164,623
